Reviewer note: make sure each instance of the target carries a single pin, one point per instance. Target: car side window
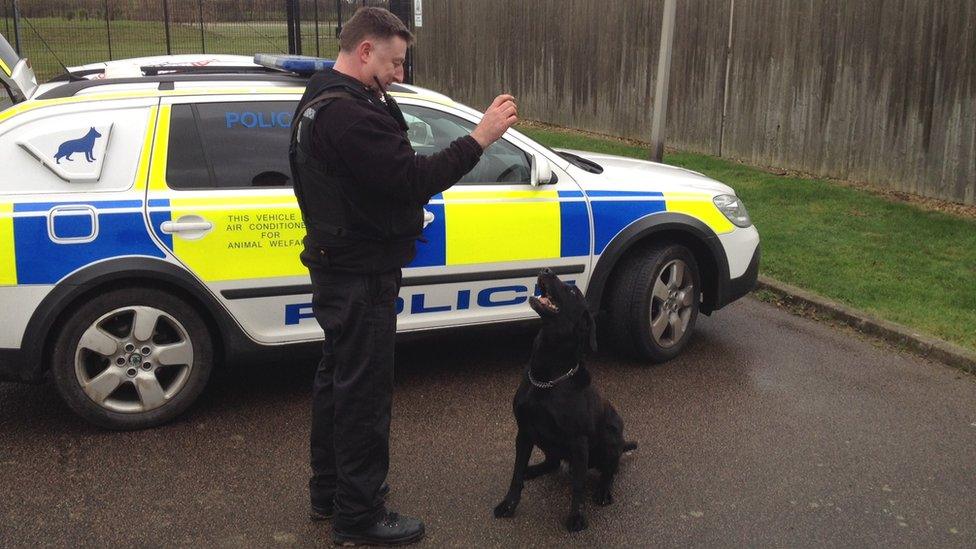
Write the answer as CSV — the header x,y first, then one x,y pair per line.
x,y
229,145
431,131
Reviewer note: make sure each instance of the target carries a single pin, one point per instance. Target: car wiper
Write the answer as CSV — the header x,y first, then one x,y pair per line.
x,y
581,163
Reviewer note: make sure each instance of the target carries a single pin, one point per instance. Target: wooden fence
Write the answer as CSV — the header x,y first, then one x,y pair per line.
x,y
882,91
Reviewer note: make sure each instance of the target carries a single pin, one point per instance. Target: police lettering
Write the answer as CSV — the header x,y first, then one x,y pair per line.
x,y
250,120
420,303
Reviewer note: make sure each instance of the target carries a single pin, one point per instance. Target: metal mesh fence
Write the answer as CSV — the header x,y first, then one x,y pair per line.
x,y
87,31
320,23
7,14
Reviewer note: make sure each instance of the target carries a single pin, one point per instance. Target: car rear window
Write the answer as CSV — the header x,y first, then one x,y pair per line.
x,y
229,145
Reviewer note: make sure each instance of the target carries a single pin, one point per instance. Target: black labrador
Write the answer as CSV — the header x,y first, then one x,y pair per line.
x,y
558,409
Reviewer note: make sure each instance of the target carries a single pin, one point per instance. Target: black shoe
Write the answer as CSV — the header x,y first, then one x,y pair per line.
x,y
392,529
320,513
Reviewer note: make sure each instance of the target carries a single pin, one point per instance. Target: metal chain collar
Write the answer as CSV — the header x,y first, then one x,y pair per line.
x,y
550,384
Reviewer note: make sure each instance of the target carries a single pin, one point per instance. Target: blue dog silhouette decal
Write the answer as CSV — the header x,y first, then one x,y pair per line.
x,y
84,144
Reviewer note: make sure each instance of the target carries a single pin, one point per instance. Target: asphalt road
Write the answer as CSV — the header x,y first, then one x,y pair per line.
x,y
771,430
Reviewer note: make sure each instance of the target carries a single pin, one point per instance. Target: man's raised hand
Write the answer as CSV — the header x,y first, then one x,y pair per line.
x,y
501,115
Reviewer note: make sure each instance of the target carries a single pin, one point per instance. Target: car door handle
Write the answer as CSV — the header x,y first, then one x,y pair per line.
x,y
428,218
188,227
170,227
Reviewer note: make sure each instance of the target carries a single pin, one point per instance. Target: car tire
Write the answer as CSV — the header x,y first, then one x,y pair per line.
x,y
654,302
131,358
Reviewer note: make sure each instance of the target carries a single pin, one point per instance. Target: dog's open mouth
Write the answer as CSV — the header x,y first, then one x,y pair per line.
x,y
544,302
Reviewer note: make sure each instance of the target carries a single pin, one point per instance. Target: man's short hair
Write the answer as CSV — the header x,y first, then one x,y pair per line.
x,y
370,22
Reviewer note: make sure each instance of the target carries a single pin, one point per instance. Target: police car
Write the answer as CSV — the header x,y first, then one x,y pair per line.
x,y
148,230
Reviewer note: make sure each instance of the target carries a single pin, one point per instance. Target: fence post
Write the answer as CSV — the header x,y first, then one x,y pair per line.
x,y
169,48
108,31
658,124
403,9
338,18
725,84
17,28
293,12
289,24
203,40
317,52
298,27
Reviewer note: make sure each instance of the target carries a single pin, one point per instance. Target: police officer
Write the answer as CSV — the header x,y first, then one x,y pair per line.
x,y
361,189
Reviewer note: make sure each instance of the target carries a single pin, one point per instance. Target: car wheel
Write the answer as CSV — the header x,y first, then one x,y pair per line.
x,y
132,358
654,303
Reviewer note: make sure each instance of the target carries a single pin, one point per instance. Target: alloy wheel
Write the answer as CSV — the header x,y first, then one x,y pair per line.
x,y
672,301
133,359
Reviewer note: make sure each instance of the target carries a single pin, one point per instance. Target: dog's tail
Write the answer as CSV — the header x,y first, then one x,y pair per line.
x,y
630,445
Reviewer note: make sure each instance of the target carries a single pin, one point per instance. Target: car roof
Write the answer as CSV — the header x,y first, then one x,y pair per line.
x,y
213,73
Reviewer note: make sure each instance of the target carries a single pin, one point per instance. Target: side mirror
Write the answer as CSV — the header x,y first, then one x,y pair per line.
x,y
541,171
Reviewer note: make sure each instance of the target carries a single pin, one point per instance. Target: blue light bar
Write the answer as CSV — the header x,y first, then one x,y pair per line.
x,y
300,64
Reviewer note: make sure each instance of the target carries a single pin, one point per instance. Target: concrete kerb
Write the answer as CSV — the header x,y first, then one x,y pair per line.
x,y
899,335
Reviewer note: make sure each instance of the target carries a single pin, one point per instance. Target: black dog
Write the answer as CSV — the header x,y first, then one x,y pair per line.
x,y
558,410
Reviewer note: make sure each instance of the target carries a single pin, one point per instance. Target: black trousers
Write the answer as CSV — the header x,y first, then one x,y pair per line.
x,y
353,393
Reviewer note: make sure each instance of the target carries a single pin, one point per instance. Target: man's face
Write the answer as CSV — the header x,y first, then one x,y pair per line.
x,y
385,59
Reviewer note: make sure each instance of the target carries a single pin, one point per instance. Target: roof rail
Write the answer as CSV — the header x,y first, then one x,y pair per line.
x,y
72,88
154,70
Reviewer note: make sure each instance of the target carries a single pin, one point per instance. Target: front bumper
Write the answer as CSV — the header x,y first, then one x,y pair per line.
x,y
738,287
732,289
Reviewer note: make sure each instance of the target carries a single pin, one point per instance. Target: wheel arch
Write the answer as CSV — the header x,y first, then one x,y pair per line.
x,y
42,329
665,227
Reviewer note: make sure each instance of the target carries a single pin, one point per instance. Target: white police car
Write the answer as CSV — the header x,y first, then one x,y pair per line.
x,y
148,230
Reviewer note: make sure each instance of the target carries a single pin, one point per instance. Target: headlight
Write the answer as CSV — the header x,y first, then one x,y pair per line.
x,y
733,208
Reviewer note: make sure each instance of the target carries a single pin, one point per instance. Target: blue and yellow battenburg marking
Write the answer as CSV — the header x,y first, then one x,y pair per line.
x,y
260,236
472,227
40,260
613,211
8,258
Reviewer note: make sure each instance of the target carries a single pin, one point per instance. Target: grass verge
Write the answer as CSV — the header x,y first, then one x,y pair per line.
x,y
891,259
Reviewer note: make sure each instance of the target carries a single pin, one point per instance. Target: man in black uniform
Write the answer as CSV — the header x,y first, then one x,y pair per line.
x,y
361,189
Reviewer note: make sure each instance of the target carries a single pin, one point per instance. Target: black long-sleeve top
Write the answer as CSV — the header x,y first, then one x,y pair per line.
x,y
362,139
364,145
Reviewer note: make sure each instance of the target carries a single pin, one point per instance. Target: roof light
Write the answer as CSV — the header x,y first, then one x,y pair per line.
x,y
301,64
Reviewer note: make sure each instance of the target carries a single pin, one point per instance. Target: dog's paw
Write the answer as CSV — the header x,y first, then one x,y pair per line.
x,y
576,522
505,509
602,497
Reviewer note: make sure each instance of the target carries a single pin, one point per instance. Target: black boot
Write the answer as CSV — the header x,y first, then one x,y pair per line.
x,y
391,529
326,512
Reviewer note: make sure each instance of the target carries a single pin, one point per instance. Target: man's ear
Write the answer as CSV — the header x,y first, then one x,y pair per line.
x,y
364,50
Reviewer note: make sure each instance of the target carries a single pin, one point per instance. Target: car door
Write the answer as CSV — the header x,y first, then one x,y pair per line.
x,y
220,198
492,232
